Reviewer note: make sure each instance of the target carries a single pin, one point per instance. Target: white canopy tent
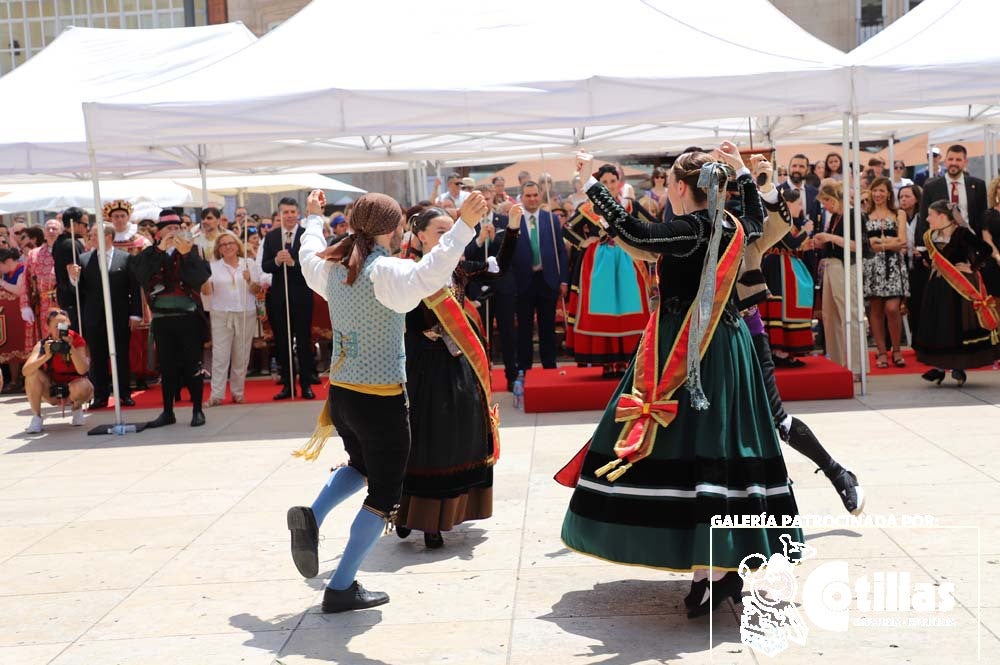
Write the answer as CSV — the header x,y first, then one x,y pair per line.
x,y
387,108
45,135
164,192
53,196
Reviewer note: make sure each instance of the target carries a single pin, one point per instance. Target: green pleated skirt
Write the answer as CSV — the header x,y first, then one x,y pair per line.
x,y
723,461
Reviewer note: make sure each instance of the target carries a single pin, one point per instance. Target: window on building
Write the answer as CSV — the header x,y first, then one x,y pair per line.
x,y
28,26
871,19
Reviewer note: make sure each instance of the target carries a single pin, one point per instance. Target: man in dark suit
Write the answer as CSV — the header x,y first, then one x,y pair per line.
x,y
959,187
281,247
499,297
66,248
126,308
798,168
540,274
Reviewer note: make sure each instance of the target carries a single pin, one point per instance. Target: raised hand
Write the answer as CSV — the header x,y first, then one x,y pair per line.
x,y
729,154
584,165
473,209
514,216
316,202
759,165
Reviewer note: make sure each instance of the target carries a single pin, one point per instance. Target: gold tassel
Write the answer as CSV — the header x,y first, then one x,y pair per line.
x,y
324,430
618,473
607,467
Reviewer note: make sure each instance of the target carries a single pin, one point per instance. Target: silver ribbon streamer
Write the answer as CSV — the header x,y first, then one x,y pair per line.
x,y
712,178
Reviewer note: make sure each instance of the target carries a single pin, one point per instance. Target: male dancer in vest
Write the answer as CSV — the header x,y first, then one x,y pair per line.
x,y
369,292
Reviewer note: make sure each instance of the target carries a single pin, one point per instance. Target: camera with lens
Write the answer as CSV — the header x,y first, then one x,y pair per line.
x,y
59,391
61,345
790,195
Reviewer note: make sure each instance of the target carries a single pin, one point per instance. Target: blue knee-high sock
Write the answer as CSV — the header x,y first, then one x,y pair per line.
x,y
365,531
343,482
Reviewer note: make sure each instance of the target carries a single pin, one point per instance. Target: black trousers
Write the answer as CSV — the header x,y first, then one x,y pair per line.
x,y
502,307
538,299
376,435
301,315
96,334
178,349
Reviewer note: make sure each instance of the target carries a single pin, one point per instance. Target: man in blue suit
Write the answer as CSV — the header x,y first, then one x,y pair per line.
x,y
540,273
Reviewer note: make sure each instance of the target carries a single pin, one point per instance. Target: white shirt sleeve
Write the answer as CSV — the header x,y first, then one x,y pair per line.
x,y
400,284
315,270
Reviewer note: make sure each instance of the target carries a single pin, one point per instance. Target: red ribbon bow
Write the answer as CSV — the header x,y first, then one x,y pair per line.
x,y
633,408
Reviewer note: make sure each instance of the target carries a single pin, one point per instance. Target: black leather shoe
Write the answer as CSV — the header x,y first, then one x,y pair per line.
x,y
959,376
128,401
307,392
354,597
101,403
165,418
305,540
433,541
730,586
197,419
403,531
140,384
315,380
284,394
848,488
933,375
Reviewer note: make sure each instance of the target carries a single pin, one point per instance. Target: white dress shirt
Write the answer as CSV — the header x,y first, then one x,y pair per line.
x,y
230,291
400,284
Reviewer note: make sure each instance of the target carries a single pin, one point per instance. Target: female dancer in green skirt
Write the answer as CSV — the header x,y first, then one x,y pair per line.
x,y
684,441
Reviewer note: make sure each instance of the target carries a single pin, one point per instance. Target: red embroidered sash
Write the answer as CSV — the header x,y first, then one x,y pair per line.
x,y
649,405
983,303
456,322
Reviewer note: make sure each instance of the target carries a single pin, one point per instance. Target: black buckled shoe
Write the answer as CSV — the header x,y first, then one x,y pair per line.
x,y
305,540
847,486
933,375
354,597
730,586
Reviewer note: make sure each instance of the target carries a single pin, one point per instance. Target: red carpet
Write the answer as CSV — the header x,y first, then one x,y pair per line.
x,y
912,366
258,391
582,388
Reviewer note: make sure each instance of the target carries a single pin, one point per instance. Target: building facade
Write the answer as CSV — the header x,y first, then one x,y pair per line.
x,y
844,24
28,26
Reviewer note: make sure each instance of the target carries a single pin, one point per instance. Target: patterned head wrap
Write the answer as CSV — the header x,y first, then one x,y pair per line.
x,y
117,204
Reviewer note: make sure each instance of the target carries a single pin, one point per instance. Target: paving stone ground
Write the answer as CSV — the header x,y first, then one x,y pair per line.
x,y
170,547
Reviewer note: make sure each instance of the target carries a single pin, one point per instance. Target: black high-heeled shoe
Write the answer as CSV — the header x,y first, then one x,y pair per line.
x,y
959,376
696,594
933,375
730,586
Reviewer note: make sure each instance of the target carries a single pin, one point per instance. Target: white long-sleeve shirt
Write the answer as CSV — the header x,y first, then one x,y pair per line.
x,y
400,284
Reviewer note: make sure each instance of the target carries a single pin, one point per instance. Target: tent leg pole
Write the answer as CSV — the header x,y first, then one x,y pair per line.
x,y
858,234
102,259
892,158
848,170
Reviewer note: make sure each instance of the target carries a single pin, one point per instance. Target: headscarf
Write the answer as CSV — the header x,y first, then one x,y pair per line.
x,y
373,215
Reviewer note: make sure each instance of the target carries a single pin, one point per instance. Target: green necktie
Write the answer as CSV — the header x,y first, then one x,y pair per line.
x,y
536,254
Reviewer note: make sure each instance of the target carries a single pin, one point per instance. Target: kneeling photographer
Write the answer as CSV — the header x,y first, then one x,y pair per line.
x,y
56,370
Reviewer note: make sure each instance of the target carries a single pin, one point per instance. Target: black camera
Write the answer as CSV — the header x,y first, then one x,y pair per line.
x,y
790,195
59,391
61,345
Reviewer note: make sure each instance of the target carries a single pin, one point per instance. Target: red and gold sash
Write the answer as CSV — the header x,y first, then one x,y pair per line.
x,y
983,303
649,405
459,326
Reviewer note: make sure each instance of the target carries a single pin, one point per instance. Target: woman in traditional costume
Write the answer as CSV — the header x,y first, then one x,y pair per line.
x,y
609,291
688,434
964,330
12,334
454,445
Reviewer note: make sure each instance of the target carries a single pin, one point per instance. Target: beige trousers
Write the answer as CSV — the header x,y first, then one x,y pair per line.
x,y
834,315
232,341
